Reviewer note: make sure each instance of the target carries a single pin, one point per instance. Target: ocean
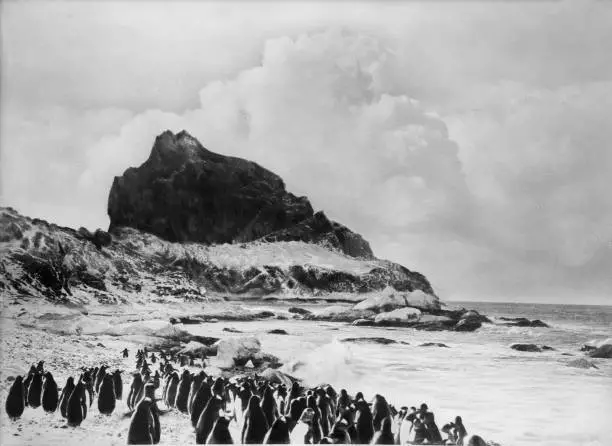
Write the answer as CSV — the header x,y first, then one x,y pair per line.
x,y
506,396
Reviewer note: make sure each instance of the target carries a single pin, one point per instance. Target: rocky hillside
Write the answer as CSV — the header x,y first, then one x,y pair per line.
x,y
38,258
186,193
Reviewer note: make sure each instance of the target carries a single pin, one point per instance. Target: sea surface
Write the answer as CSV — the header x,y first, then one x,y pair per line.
x,y
506,396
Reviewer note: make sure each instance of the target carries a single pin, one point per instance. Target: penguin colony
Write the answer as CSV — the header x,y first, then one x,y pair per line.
x,y
265,412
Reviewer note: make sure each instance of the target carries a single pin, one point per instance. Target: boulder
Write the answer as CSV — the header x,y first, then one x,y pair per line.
x,y
468,325
194,348
298,310
389,299
373,340
399,316
530,347
522,322
422,300
277,377
232,352
604,351
363,323
340,313
434,344
582,363
155,327
278,331
383,302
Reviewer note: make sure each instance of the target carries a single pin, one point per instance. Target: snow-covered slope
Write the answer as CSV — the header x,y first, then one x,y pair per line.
x,y
39,258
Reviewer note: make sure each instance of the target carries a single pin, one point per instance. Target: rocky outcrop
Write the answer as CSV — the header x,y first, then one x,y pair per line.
x,y
319,229
186,193
522,322
530,347
603,351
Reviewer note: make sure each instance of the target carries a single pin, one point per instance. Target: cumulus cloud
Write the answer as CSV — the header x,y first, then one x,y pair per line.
x,y
468,142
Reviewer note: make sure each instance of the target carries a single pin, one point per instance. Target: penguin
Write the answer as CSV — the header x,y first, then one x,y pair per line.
x,y
207,419
49,394
200,400
99,377
317,430
343,401
118,384
363,423
15,401
220,433
182,394
280,396
106,396
65,395
296,408
156,427
76,410
141,429
325,409
153,358
384,434
475,440
88,383
40,367
196,382
35,390
333,396
172,389
268,405
432,428
339,433
380,411
135,390
278,433
125,353
302,432
27,381
294,394
255,424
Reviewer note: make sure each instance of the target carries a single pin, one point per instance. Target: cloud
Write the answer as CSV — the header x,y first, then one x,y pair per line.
x,y
466,141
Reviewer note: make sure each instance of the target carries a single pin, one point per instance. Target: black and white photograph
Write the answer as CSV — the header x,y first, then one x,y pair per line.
x,y
306,222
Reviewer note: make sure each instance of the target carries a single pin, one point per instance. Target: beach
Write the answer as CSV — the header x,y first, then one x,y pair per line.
x,y
507,397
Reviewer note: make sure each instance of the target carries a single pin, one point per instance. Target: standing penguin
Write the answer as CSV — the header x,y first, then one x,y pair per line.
x,y
35,390
76,411
268,405
302,431
182,394
118,383
278,433
125,352
65,395
220,433
207,419
99,377
149,391
384,435
200,400
172,388
255,423
49,394
363,422
135,390
196,382
141,429
106,395
380,411
15,402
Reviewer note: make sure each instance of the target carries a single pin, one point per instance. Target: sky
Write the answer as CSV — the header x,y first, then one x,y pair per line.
x,y
469,141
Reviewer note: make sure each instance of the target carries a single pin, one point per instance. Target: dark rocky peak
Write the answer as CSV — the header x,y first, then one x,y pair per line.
x,y
186,193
